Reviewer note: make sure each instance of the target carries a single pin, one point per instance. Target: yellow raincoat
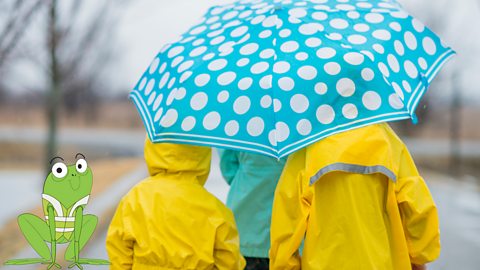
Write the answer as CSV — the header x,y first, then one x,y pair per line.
x,y
169,220
357,200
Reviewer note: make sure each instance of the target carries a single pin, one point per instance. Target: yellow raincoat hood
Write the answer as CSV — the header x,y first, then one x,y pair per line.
x,y
174,159
170,221
357,201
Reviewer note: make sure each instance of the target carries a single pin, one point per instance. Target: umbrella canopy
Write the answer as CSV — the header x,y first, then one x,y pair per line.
x,y
274,76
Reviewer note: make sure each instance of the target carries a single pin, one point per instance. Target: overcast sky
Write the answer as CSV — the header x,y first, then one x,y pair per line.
x,y
145,25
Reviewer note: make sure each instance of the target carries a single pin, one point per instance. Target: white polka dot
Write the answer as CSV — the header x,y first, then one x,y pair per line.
x,y
255,126
171,82
277,105
406,86
266,101
230,15
267,53
361,27
399,49
158,115
350,111
198,30
353,15
243,62
395,26
157,102
249,48
321,88
199,101
211,120
339,23
177,61
281,67
175,51
265,34
150,85
284,33
354,58
286,83
378,48
151,98
163,80
216,32
154,65
345,87
384,69
313,42
399,14
142,84
410,40
226,78
245,14
223,96
198,51
299,103
297,12
202,80
374,18
180,94
301,56
217,64
272,137
429,46
368,54
307,72
418,25
411,70
325,114
364,5
398,90
382,34
308,29
335,36
393,63
319,16
217,40
357,39
188,123
185,76
266,82
232,128
184,66
326,53
332,68
289,46
422,63
169,118
259,67
395,101
270,21
241,105
282,131
198,41
371,100
304,127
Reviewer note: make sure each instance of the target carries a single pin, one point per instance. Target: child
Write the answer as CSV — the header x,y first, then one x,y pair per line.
x,y
358,202
169,220
252,179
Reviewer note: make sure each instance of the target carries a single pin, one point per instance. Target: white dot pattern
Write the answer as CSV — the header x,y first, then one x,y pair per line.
x,y
256,73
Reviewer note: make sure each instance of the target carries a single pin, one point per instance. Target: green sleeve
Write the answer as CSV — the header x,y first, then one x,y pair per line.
x,y
229,164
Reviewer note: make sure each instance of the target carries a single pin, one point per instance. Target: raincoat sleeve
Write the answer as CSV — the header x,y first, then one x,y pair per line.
x,y
229,164
290,213
227,246
418,212
120,241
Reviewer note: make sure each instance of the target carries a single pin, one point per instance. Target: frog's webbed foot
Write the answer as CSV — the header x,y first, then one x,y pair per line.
x,y
77,264
52,264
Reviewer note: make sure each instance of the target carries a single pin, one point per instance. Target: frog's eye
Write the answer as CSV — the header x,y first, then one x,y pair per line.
x,y
59,170
81,165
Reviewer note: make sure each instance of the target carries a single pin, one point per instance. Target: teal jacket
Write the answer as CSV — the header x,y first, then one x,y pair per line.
x,y
252,179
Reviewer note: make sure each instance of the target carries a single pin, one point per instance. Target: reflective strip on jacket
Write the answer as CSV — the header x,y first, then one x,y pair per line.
x,y
359,202
252,179
170,221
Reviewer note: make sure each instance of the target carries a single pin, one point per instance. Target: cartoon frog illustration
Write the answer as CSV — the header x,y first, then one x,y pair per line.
x,y
65,194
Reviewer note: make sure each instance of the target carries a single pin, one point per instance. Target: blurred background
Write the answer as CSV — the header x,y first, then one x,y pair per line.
x,y
66,68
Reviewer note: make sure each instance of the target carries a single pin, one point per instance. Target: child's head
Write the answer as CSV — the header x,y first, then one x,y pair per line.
x,y
178,158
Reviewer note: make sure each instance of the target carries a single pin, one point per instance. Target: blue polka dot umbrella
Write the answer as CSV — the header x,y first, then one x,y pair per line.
x,y
274,76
